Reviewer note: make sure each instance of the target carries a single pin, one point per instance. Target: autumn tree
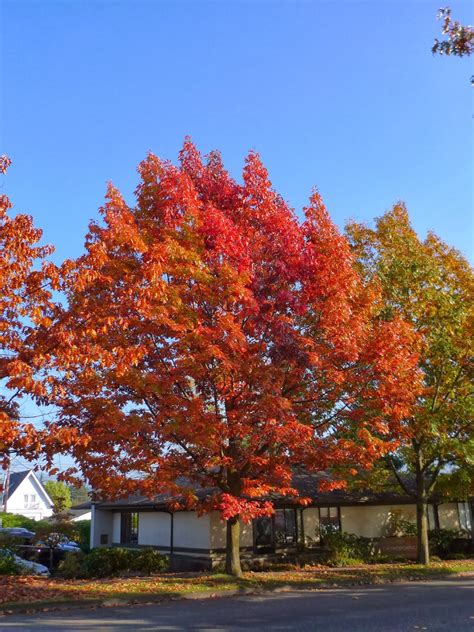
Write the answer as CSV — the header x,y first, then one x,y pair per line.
x,y
431,286
212,341
25,298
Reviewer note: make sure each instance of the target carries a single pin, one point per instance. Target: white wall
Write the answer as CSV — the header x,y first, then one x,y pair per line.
x,y
116,522
102,524
311,524
154,528
448,516
191,530
219,532
371,521
38,509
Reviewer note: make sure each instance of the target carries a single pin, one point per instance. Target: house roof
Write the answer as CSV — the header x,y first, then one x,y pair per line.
x,y
16,479
82,506
306,483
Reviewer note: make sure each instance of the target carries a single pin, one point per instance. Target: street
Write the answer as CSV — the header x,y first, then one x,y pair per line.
x,y
405,607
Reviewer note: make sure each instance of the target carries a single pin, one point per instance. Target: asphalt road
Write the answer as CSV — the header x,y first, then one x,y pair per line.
x,y
439,605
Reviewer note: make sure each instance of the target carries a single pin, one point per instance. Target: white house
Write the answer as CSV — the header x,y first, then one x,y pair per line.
x,y
198,541
24,494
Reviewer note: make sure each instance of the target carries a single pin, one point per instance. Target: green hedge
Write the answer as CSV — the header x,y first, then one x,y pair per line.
x,y
16,520
347,549
112,562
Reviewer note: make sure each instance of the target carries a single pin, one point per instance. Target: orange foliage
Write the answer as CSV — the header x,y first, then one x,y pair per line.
x,y
25,301
210,334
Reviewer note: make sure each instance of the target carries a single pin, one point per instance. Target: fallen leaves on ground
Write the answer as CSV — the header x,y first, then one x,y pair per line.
x,y
28,590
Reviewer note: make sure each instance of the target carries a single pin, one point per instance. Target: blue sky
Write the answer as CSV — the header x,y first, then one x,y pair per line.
x,y
341,95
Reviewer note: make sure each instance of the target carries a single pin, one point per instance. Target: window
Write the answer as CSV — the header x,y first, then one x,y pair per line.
x,y
25,500
464,516
32,498
263,534
329,520
129,528
285,527
431,517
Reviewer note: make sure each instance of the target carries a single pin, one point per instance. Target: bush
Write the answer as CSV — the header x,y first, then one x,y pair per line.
x,y
83,529
444,541
148,561
347,549
8,565
16,520
112,562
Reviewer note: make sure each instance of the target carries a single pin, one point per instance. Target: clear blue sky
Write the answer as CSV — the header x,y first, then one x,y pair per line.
x,y
341,95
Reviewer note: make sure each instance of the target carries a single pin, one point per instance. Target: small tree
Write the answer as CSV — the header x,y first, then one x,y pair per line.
x,y
60,494
431,286
212,341
53,534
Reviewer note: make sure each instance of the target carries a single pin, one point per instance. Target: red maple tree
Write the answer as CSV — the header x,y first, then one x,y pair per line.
x,y
25,300
210,334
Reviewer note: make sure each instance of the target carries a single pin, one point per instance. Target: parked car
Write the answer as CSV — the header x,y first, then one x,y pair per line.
x,y
28,567
17,532
69,546
63,543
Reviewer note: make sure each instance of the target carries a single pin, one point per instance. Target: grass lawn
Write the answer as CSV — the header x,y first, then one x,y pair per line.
x,y
42,593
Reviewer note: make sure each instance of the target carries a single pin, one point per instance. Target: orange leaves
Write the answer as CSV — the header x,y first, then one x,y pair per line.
x,y
210,334
25,309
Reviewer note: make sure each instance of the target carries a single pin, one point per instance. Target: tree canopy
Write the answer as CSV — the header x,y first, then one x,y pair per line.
x,y
430,286
25,299
212,341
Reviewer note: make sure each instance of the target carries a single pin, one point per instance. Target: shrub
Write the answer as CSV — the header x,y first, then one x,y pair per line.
x,y
112,562
8,566
445,540
73,566
16,520
347,549
83,529
148,561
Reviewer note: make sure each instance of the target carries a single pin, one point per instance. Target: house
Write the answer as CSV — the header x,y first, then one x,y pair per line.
x,y
81,511
198,541
24,494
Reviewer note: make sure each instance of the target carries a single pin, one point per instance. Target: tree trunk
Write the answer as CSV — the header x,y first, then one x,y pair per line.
x,y
423,548
232,561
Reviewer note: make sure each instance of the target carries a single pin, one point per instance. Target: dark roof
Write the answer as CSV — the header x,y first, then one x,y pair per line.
x,y
306,483
16,479
85,505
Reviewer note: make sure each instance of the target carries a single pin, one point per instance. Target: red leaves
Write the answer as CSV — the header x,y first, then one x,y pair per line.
x,y
211,334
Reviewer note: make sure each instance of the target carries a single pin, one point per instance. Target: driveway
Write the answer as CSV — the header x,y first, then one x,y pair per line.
x,y
407,607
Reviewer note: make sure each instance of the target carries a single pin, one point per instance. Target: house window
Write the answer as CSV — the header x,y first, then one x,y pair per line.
x,y
263,535
285,527
464,516
32,498
129,528
25,500
329,520
431,517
